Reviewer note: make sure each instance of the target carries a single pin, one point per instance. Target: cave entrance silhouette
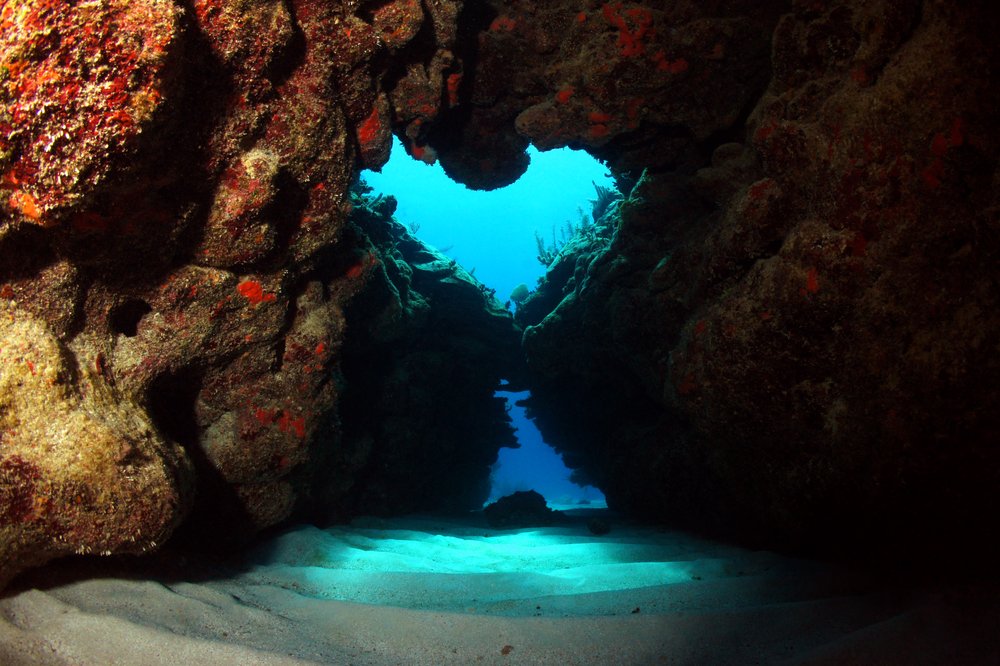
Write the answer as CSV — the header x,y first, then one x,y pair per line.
x,y
496,235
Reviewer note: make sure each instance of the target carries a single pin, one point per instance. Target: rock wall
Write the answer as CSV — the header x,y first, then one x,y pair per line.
x,y
173,261
640,85
797,342
425,351
792,333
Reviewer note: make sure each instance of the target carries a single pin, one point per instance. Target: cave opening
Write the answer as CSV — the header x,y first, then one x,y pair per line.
x,y
496,234
536,465
507,238
785,334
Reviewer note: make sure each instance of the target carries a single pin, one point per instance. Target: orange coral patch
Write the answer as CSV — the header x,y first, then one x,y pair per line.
x,y
368,130
454,81
254,292
24,202
598,131
678,66
503,24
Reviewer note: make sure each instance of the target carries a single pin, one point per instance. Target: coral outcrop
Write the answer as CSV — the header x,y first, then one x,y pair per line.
x,y
791,333
637,84
796,342
83,468
425,350
173,202
525,508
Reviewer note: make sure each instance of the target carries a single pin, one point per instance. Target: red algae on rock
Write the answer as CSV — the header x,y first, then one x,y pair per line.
x,y
807,239
79,83
807,332
173,189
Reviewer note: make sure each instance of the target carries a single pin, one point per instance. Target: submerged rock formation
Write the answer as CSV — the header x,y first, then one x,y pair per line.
x,y
792,331
524,508
425,349
796,342
173,267
83,469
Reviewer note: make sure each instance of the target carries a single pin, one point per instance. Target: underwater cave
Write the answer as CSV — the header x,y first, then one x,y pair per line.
x,y
443,332
507,238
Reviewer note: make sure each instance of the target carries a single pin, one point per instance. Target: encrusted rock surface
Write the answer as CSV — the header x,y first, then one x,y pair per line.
x,y
798,341
425,350
173,199
525,508
638,84
83,469
793,332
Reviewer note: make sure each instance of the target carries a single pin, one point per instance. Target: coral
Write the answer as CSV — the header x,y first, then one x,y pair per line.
x,y
519,293
426,349
786,329
79,85
611,82
525,508
634,25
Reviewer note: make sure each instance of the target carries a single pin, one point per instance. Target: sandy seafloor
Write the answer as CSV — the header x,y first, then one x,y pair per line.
x,y
424,590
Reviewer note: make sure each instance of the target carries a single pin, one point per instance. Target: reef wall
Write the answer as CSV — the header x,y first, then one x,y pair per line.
x,y
792,333
796,340
175,257
424,352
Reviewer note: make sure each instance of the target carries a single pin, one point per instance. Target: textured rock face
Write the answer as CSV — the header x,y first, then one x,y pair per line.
x,y
798,341
173,195
793,330
638,84
525,508
83,469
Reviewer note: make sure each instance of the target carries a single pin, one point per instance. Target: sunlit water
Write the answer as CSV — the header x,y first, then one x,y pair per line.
x,y
441,564
494,233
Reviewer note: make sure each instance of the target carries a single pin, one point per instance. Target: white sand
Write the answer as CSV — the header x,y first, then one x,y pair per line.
x,y
426,591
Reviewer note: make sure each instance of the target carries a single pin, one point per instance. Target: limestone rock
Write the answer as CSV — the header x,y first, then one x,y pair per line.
x,y
638,84
173,199
426,348
525,508
790,333
82,468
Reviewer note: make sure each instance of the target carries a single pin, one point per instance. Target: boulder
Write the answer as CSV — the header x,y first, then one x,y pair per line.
x,y
524,508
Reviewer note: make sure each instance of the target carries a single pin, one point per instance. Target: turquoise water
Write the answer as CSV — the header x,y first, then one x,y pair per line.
x,y
494,234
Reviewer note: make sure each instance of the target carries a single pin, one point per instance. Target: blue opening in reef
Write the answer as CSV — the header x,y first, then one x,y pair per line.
x,y
536,466
493,234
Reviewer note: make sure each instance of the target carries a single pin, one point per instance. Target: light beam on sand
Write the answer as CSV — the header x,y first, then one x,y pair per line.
x,y
429,563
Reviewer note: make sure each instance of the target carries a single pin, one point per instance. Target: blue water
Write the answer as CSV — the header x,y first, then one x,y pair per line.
x,y
536,465
494,234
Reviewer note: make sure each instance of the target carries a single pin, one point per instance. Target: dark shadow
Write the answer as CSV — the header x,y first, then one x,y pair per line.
x,y
124,319
171,401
